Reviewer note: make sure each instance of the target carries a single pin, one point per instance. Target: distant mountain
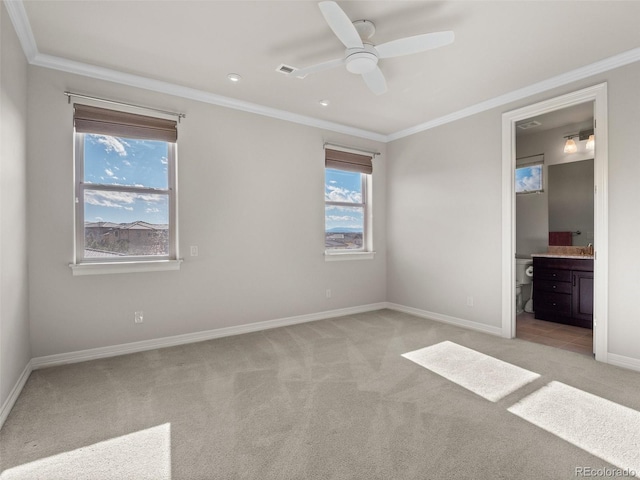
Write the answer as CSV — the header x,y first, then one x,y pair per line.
x,y
344,230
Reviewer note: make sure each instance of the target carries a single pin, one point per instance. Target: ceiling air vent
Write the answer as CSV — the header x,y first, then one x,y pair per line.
x,y
528,125
286,69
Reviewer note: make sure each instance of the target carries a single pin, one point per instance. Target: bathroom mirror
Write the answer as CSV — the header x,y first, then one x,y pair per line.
x,y
570,197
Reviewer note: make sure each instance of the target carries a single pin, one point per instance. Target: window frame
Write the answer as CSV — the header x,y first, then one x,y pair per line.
x,y
125,263
528,162
366,251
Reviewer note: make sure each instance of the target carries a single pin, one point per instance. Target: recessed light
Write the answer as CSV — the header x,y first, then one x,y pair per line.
x,y
234,77
324,103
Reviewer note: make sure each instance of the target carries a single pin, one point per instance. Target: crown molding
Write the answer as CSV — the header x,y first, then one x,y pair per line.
x,y
101,73
601,66
20,21
21,25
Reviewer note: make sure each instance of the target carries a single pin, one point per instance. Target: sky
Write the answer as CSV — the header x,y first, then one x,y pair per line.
x,y
122,161
341,186
529,178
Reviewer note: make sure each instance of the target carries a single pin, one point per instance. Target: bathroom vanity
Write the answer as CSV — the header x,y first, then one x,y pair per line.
x,y
563,289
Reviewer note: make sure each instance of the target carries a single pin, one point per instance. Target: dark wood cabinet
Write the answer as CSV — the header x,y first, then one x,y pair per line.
x,y
563,290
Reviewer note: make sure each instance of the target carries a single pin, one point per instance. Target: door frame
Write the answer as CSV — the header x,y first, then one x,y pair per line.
x,y
598,95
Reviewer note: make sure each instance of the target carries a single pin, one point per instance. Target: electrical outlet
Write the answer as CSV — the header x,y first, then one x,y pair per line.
x,y
328,293
469,301
194,251
138,317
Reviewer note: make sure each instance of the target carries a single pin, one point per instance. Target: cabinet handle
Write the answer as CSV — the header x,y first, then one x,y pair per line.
x,y
574,280
554,286
554,304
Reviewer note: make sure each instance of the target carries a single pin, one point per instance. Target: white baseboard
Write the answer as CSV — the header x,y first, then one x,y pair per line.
x,y
447,319
15,393
624,362
134,347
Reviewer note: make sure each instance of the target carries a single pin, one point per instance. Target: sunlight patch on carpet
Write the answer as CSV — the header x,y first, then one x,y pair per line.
x,y
482,374
601,427
137,456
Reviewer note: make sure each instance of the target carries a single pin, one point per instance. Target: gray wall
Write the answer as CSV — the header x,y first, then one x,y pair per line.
x,y
443,225
15,351
444,210
251,197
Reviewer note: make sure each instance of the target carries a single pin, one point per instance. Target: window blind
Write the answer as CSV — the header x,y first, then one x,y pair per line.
x,y
88,119
352,162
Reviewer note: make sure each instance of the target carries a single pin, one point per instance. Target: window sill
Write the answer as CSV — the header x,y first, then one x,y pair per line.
x,y
124,267
338,257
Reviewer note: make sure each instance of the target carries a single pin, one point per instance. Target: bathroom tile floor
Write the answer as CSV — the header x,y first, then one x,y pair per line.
x,y
566,337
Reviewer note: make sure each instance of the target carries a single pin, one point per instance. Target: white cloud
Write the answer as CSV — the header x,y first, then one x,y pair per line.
x,y
112,144
109,199
341,218
164,161
151,198
120,199
531,182
337,194
110,173
152,210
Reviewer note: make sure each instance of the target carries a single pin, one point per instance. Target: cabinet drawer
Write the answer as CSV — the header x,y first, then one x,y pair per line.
x,y
552,286
551,274
557,303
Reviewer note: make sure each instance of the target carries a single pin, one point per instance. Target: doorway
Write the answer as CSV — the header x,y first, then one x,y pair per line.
x,y
510,120
554,211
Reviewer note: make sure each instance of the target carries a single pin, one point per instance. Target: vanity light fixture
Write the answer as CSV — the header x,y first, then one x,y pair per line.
x,y
234,77
324,103
570,145
588,135
591,143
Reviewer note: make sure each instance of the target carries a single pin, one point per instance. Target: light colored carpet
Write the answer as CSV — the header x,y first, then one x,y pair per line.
x,y
326,400
482,374
601,427
143,455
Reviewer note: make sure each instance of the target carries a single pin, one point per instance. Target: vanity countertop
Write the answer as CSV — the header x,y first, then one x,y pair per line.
x,y
562,255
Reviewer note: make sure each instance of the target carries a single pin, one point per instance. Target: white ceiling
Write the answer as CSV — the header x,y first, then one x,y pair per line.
x,y
501,48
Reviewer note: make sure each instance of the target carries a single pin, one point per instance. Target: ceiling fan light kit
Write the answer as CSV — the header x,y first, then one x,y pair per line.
x,y
362,58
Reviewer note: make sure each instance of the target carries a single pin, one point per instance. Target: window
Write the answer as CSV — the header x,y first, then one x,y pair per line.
x,y
346,193
529,171
125,168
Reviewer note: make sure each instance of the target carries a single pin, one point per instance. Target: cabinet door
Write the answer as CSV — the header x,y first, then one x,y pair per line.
x,y
583,297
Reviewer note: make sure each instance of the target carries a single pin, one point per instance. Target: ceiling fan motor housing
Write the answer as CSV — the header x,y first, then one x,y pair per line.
x,y
361,60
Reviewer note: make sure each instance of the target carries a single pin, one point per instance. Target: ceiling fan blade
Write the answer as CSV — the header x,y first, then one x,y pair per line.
x,y
303,72
375,81
340,24
416,44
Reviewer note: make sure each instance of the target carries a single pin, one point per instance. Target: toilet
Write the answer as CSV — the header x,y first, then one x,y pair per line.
x,y
524,276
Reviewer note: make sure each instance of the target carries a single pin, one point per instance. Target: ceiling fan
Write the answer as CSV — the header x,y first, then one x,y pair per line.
x,y
361,57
